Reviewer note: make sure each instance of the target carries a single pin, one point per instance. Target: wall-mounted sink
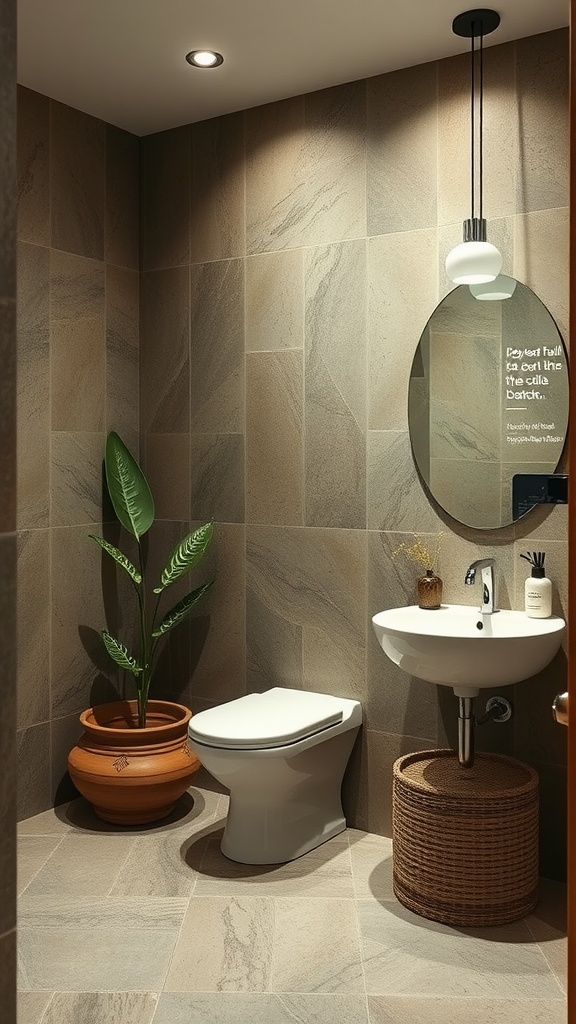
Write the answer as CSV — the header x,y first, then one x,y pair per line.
x,y
457,646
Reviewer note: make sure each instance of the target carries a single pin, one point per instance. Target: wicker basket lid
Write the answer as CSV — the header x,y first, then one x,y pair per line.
x,y
438,771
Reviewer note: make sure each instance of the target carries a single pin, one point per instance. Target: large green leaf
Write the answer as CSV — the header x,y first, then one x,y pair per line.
x,y
128,487
120,654
186,555
118,557
181,610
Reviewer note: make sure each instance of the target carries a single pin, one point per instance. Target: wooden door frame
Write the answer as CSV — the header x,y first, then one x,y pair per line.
x,y
572,553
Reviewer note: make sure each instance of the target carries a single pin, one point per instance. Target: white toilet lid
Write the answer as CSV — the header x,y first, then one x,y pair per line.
x,y
261,720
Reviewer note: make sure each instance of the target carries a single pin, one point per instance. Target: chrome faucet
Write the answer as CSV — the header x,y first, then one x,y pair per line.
x,y
488,603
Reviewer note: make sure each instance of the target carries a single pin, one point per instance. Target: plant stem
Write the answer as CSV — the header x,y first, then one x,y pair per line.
x,y
143,682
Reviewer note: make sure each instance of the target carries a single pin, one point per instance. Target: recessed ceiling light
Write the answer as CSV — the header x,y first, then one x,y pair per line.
x,y
204,58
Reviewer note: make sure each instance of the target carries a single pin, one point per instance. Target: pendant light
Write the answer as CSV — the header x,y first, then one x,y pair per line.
x,y
475,261
502,287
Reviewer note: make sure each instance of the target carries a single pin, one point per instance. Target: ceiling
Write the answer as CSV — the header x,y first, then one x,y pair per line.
x,y
123,60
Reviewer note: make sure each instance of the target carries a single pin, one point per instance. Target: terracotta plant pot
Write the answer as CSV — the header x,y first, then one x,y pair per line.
x,y
132,776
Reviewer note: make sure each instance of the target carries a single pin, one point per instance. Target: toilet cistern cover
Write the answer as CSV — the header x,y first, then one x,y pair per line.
x,y
271,719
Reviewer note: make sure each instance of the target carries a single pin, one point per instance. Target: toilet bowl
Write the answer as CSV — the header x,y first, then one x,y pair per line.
x,y
282,754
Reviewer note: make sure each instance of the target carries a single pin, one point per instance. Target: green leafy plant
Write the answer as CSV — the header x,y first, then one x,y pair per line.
x,y
134,507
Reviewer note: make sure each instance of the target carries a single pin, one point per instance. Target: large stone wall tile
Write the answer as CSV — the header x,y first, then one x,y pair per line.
x,y
273,645
217,222
395,702
76,477
396,498
122,195
541,259
33,166
469,490
167,468
217,347
217,474
275,301
33,397
335,386
164,351
542,86
165,199
33,627
305,185
33,770
315,580
78,342
77,181
397,315
64,734
122,354
501,136
274,438
402,150
80,668
218,626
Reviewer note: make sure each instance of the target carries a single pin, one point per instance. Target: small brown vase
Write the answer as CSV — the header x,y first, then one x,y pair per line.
x,y
429,590
130,775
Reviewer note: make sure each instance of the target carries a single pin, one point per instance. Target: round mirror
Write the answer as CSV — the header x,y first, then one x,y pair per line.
x,y
488,404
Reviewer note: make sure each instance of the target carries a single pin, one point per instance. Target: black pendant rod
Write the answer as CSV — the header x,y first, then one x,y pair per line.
x,y
471,24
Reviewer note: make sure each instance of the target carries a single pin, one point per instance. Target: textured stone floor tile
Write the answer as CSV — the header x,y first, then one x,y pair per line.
x,y
155,866
108,958
33,852
83,865
371,858
259,1008
406,955
316,947
424,1010
31,1006
324,871
547,924
225,944
51,822
101,1008
122,913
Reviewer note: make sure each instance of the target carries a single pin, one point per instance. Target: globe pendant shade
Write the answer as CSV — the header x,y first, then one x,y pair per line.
x,y
501,288
473,263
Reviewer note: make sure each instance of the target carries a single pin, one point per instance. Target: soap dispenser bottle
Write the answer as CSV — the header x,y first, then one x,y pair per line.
x,y
538,588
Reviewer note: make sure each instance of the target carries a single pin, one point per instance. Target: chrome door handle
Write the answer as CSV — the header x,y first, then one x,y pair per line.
x,y
560,708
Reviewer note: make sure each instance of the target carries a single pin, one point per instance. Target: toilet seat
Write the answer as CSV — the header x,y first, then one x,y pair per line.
x,y
261,721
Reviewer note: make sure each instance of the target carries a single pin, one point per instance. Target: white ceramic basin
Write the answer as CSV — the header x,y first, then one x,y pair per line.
x,y
456,646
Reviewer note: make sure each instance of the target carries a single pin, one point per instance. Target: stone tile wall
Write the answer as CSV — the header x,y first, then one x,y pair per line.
x,y
291,257
78,342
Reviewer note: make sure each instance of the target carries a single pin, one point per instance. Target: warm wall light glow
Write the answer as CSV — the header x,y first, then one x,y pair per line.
x,y
204,58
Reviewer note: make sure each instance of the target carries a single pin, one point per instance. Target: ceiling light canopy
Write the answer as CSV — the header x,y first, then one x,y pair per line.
x,y
475,260
204,58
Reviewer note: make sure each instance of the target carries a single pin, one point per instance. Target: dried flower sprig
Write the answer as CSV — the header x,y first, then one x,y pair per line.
x,y
420,553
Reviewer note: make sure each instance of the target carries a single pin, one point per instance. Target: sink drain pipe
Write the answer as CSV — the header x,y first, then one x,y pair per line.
x,y
498,709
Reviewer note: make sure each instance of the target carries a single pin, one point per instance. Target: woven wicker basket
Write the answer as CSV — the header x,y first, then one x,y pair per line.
x,y
465,848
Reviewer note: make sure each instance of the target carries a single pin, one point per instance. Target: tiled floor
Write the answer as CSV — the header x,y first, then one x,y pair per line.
x,y
155,925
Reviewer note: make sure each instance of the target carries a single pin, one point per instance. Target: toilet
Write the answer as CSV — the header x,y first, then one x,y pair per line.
x,y
282,754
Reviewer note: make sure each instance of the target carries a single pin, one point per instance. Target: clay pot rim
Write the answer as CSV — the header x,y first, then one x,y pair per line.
x,y
124,710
